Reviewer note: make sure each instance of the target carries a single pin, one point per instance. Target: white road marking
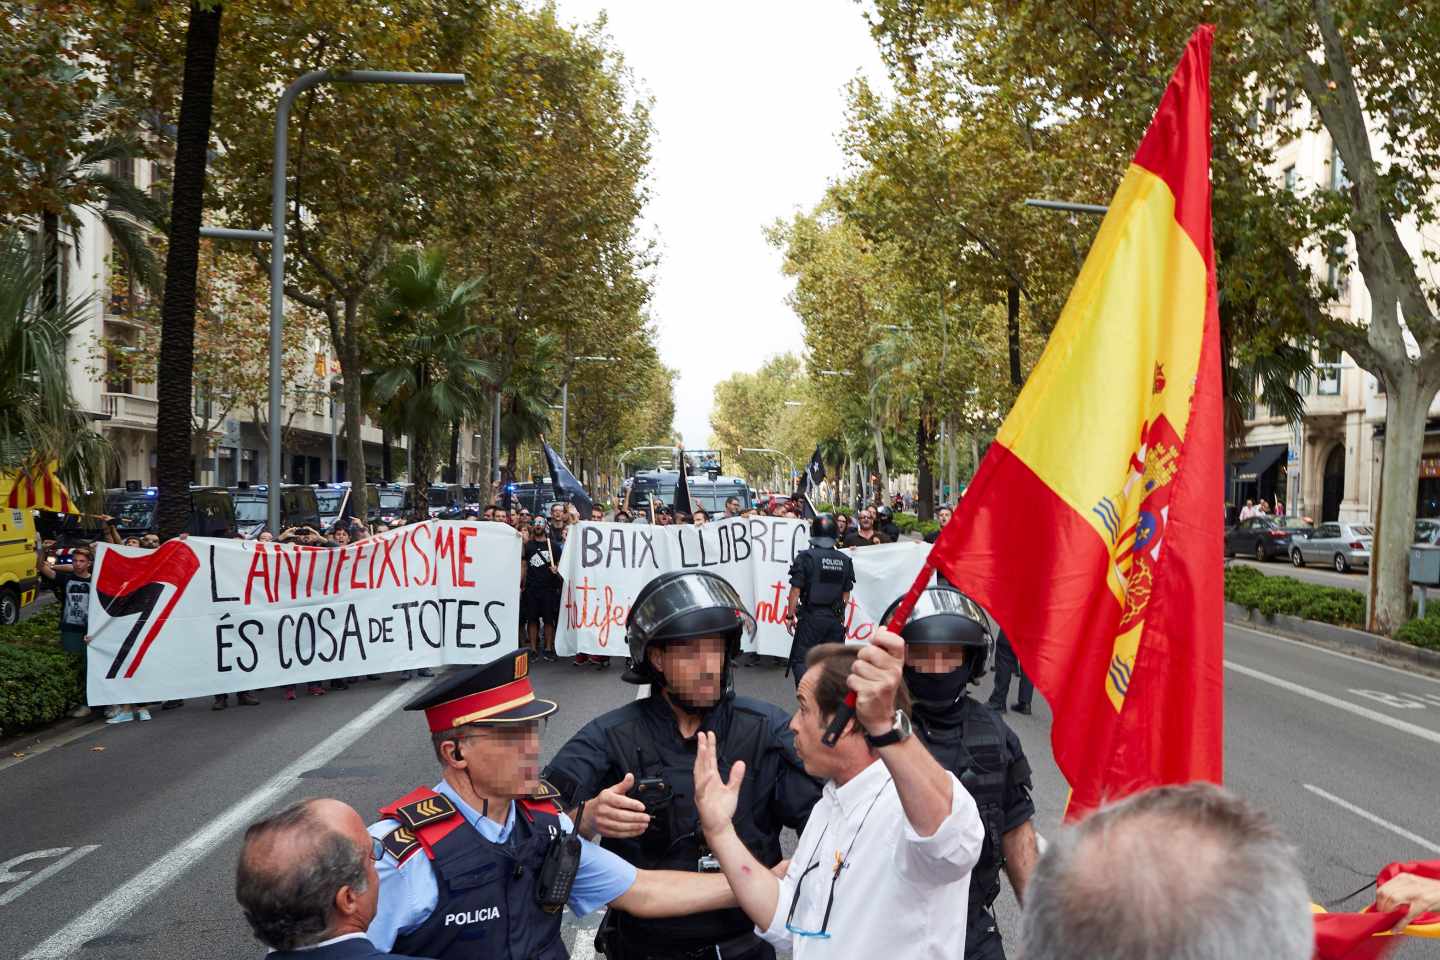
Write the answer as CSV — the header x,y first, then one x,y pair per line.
x,y
1422,732
20,889
1230,625
127,897
1378,821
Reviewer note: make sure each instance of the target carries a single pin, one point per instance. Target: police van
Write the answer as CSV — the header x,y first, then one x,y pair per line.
x,y
298,508
708,492
212,512
336,503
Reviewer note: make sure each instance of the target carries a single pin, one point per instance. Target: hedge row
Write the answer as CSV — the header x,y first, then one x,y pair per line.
x,y
910,523
39,682
1294,598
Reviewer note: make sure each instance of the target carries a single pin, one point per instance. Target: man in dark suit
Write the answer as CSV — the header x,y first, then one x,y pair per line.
x,y
307,883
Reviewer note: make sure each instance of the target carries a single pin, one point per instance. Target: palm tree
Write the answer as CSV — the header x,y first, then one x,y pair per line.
x,y
525,411
40,422
432,378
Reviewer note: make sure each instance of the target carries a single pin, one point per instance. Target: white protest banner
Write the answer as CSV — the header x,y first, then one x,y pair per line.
x,y
202,616
605,565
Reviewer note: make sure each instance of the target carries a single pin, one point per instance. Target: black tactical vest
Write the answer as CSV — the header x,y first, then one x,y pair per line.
x,y
826,573
974,749
676,842
487,905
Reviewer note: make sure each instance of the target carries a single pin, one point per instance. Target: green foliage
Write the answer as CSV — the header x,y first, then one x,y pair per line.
x,y
910,523
1422,633
1295,598
40,629
40,421
39,682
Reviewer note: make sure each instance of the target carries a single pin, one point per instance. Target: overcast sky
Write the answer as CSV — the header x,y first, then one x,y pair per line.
x,y
749,100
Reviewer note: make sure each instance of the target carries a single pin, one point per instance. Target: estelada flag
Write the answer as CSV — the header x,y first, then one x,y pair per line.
x,y
1092,530
36,490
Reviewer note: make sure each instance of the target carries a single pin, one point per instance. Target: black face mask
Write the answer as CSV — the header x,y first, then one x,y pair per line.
x,y
937,690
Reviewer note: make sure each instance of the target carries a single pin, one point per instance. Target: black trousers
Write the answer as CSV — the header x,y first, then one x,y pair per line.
x,y
812,629
1006,664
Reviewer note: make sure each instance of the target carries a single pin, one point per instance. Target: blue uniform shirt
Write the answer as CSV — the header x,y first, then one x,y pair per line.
x,y
409,893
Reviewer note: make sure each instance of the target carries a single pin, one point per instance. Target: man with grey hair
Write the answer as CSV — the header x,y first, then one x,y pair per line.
x,y
307,882
1181,873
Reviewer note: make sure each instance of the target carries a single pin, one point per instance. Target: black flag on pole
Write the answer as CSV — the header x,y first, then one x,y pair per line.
x,y
566,487
806,483
682,502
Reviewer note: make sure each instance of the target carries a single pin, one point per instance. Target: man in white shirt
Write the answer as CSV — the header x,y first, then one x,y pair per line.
x,y
883,867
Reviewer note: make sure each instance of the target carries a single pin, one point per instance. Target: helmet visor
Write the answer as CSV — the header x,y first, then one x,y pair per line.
x,y
939,601
685,595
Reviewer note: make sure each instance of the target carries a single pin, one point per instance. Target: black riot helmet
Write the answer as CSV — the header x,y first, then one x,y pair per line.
x,y
682,605
944,615
824,531
883,514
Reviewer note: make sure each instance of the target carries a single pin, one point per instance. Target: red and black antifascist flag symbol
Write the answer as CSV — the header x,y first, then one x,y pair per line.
x,y
138,587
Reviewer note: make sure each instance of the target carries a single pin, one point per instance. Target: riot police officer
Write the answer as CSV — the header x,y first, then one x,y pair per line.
x,y
821,579
634,767
483,863
947,646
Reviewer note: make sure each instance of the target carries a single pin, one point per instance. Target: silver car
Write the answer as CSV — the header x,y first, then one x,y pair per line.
x,y
1339,545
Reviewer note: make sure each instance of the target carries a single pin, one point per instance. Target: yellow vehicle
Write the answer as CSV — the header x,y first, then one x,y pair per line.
x,y
18,580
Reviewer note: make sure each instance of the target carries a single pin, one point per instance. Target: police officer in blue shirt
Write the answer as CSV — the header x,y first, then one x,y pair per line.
x,y
482,864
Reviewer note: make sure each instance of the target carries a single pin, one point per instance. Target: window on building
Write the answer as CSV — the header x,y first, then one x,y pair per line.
x,y
1327,372
1290,178
1338,178
1338,271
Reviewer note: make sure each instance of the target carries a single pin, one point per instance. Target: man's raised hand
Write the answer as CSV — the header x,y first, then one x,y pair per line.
x,y
715,799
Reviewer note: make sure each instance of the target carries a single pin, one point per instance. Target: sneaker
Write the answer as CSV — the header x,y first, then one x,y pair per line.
x,y
289,693
581,659
172,704
316,690
80,712
248,699
425,672
123,717
111,710
143,713
221,701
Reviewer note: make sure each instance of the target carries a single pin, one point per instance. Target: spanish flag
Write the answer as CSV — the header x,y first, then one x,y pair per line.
x,y
1093,529
36,490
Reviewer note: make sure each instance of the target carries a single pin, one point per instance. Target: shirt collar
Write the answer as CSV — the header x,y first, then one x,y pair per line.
x,y
488,828
326,943
859,790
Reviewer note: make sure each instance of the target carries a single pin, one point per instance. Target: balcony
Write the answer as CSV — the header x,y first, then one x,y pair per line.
x,y
129,410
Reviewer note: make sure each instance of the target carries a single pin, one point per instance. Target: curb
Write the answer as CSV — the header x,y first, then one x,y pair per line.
x,y
1359,643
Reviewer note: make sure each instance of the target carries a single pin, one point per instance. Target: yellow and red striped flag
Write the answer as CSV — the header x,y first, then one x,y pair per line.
x,y
38,490
1093,528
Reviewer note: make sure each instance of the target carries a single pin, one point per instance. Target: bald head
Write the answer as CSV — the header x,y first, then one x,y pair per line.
x,y
1183,873
306,875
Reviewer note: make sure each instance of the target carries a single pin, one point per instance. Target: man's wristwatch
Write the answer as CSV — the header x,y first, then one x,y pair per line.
x,y
899,730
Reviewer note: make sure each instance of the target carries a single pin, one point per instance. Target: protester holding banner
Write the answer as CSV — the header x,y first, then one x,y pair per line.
x,y
72,583
482,864
539,591
944,514
947,647
864,534
630,771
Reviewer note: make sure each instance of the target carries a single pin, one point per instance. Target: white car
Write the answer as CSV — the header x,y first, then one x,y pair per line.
x,y
1339,545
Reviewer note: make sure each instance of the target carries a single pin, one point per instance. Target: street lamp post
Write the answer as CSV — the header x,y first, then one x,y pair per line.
x,y
565,397
276,234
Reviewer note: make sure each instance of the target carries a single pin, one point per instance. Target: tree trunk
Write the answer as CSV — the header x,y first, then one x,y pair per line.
x,y
954,465
350,373
1012,333
421,479
50,261
1406,404
880,461
177,312
385,455
454,453
923,476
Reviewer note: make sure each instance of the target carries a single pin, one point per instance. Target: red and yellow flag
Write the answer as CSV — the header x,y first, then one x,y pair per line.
x,y
1093,528
39,491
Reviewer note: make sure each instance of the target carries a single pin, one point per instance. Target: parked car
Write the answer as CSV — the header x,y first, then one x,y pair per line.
x,y
1339,545
1427,531
1259,537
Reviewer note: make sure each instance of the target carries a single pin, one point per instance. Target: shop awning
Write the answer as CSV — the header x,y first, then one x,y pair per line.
x,y
1263,460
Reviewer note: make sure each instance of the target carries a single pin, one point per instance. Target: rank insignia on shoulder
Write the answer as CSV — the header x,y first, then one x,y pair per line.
x,y
546,791
401,843
426,811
